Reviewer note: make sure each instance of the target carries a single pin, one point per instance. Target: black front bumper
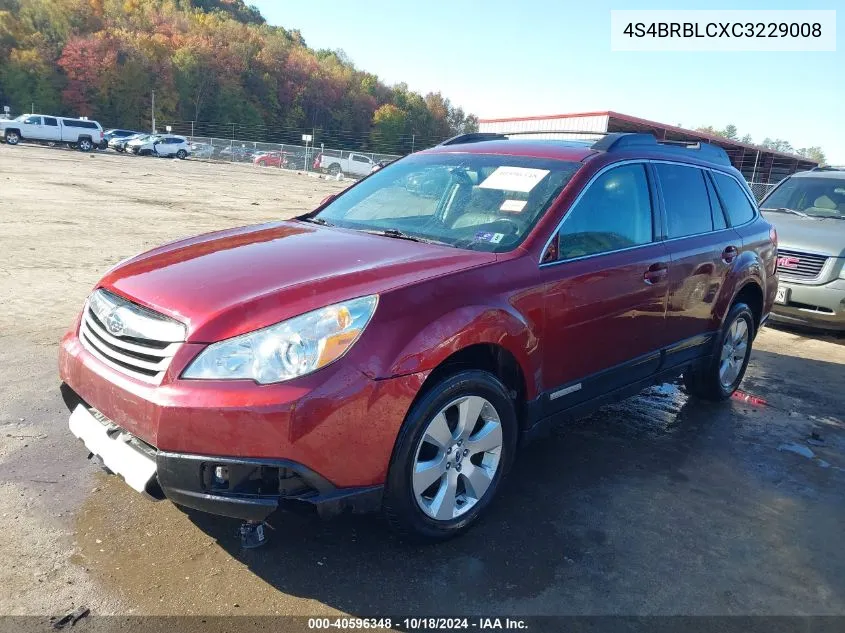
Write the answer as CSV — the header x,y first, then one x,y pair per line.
x,y
251,488
255,488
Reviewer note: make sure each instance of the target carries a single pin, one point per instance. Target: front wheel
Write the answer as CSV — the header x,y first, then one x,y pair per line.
x,y
453,450
13,138
721,375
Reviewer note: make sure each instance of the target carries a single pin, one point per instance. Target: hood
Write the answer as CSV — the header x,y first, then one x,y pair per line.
x,y
812,235
231,282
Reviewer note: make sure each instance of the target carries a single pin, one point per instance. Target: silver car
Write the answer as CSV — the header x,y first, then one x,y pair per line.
x,y
808,211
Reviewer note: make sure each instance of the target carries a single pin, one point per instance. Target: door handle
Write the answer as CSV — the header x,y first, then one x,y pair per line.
x,y
729,254
656,273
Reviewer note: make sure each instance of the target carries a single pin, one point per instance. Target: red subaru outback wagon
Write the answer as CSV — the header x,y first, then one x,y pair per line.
x,y
392,348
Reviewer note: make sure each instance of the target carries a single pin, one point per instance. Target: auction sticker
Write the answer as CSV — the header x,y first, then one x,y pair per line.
x,y
513,206
485,236
522,179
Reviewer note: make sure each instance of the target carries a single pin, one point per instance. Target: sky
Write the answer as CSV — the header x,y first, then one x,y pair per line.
x,y
503,58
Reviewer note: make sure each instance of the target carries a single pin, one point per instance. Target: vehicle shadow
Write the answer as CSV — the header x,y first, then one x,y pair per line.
x,y
837,338
605,515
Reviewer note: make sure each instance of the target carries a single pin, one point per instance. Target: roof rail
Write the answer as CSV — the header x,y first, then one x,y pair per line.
x,y
609,142
619,141
474,137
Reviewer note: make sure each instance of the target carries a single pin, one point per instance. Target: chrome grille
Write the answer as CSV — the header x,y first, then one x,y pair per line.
x,y
800,265
128,337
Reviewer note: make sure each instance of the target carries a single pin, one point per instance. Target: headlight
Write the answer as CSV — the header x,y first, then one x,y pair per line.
x,y
288,349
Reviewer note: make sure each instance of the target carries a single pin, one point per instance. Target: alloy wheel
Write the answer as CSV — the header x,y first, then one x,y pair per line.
x,y
734,350
457,458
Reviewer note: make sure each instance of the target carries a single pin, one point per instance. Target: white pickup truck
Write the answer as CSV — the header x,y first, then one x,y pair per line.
x,y
78,133
353,165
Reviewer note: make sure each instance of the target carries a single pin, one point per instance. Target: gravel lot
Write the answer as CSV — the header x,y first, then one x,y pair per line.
x,y
658,505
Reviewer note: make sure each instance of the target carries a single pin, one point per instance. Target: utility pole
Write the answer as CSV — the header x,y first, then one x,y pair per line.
x,y
192,130
413,138
153,110
32,108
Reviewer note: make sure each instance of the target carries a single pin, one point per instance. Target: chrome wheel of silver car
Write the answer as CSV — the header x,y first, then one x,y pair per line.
x,y
457,458
734,350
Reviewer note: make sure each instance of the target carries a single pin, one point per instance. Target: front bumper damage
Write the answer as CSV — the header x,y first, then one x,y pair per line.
x,y
244,488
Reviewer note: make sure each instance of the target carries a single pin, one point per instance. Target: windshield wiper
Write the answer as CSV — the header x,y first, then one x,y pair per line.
x,y
319,221
787,210
401,235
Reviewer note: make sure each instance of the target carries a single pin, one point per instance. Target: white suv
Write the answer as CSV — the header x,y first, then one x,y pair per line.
x,y
77,133
160,145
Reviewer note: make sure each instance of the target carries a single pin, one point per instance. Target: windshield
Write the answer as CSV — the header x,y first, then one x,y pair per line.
x,y
821,197
475,201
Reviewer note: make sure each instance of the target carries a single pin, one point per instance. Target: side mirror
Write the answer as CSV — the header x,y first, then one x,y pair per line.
x,y
327,199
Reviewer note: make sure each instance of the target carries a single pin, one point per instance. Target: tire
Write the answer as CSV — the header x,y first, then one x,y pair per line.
x,y
85,145
181,154
12,137
716,381
334,169
145,152
405,495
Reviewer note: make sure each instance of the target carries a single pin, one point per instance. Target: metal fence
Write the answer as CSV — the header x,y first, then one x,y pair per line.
x,y
760,189
286,156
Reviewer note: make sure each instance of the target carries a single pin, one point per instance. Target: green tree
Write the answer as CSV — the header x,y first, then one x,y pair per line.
x,y
778,145
388,128
813,153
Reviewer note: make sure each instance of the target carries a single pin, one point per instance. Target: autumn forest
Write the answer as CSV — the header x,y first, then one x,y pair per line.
x,y
214,62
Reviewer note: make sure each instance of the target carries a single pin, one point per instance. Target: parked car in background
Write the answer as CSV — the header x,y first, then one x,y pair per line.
x,y
390,349
381,164
353,164
118,143
237,154
202,150
109,135
808,210
83,134
270,159
166,145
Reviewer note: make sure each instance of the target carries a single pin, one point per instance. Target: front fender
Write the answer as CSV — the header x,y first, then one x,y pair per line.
x,y
471,325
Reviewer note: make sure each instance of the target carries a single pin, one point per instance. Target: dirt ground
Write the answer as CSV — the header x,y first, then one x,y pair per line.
x,y
658,505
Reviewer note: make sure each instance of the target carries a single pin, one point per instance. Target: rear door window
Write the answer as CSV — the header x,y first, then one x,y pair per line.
x,y
740,209
614,213
52,122
685,198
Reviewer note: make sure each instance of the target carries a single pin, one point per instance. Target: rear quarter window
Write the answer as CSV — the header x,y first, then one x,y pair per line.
x,y
89,125
740,209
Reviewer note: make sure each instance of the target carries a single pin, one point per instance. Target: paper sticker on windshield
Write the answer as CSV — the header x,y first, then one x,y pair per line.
x,y
513,206
522,179
485,236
